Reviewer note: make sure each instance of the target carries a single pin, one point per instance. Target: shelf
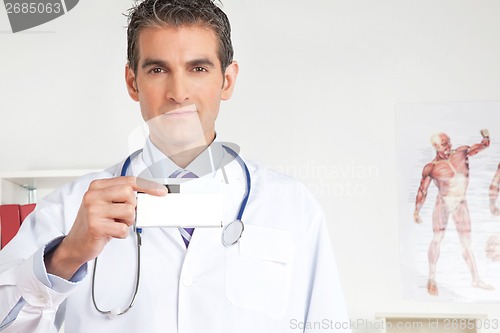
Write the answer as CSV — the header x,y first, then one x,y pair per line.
x,y
22,187
43,179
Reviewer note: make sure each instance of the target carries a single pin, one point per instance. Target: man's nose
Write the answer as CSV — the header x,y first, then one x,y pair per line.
x,y
178,89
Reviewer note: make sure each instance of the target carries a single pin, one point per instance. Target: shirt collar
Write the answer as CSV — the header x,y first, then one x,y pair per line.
x,y
161,166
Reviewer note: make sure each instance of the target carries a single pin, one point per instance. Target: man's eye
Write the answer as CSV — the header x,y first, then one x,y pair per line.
x,y
199,69
156,70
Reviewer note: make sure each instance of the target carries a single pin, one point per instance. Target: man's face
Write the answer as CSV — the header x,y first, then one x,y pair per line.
x,y
444,147
179,84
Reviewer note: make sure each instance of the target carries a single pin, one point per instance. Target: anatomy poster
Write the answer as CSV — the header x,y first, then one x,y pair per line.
x,y
449,211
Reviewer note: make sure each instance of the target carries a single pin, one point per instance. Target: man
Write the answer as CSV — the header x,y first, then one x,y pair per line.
x,y
279,277
449,171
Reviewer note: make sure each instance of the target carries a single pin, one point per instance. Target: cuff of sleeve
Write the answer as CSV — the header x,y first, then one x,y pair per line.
x,y
33,291
41,289
57,283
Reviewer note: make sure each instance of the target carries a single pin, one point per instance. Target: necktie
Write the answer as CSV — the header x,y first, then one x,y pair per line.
x,y
186,233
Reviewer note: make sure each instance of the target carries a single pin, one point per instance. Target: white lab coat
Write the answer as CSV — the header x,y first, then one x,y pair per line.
x,y
280,277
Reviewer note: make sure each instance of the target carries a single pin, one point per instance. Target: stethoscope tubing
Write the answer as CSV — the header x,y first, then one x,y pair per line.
x,y
126,165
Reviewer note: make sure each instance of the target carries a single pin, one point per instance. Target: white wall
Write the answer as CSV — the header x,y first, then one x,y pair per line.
x,y
316,94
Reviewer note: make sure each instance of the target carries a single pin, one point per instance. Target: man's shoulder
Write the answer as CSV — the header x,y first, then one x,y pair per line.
x,y
462,149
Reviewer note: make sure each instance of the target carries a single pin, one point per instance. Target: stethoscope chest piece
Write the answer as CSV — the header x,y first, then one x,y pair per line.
x,y
232,232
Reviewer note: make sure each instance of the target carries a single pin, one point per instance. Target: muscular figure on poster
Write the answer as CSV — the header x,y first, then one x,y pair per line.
x,y
449,171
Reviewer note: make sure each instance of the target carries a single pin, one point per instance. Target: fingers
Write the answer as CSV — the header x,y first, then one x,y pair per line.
x,y
150,187
136,184
115,229
111,194
117,212
115,199
107,211
110,203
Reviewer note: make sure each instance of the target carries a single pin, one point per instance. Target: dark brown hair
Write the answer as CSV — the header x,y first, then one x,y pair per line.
x,y
177,13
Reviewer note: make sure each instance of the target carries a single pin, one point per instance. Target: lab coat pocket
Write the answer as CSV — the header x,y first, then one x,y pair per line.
x,y
258,270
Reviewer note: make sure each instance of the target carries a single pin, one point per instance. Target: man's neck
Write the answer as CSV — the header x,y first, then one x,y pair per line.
x,y
183,155
442,157
184,158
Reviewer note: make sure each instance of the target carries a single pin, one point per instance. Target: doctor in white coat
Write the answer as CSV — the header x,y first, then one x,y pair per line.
x,y
279,277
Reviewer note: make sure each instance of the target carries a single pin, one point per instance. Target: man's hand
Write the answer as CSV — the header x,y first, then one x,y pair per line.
x,y
485,133
107,211
416,217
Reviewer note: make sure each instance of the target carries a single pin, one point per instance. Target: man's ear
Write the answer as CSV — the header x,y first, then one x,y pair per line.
x,y
131,82
229,80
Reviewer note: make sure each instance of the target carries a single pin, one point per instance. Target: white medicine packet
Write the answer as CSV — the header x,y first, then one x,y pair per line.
x,y
196,203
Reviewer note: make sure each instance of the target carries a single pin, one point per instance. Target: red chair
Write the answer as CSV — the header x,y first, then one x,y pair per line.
x,y
11,217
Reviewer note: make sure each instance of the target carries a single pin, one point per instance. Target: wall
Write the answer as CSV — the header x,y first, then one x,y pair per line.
x,y
315,98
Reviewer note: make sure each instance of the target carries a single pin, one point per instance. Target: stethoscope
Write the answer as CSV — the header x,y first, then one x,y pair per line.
x,y
231,233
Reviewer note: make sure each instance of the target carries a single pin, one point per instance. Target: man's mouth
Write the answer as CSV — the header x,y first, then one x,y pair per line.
x,y
185,110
